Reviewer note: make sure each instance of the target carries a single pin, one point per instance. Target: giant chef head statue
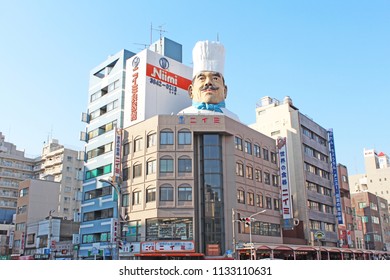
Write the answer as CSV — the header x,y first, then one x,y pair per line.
x,y
208,90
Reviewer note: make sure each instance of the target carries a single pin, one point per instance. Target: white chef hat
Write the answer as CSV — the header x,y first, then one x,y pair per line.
x,y
208,56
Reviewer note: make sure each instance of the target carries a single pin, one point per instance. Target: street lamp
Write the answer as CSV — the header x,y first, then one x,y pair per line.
x,y
250,229
118,192
49,240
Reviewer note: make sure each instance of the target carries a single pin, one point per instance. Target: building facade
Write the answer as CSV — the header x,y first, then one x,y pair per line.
x,y
346,230
186,177
124,90
376,178
310,170
15,167
374,214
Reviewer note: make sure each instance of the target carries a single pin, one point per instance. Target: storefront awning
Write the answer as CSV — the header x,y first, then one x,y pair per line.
x,y
169,255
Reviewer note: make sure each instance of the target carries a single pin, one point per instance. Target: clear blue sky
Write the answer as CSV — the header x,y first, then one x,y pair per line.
x,y
331,57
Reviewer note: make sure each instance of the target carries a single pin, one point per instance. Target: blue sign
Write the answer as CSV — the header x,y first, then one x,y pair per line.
x,y
335,177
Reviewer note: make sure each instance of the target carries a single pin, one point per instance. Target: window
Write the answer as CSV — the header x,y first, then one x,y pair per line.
x,y
166,165
273,157
166,193
275,180
315,225
241,196
136,197
98,171
239,169
276,204
185,165
100,150
259,200
265,154
251,198
166,137
138,145
362,205
184,137
137,170
126,149
267,178
185,193
268,202
248,147
151,140
238,143
258,175
125,173
257,150
151,167
249,172
151,195
98,215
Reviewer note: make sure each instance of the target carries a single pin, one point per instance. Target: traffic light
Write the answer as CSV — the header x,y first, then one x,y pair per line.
x,y
248,221
131,249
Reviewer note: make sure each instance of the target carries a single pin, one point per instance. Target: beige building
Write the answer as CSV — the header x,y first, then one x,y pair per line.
x,y
67,169
38,199
186,176
310,171
15,167
376,178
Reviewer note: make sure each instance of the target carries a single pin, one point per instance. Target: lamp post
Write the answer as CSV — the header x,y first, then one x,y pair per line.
x,y
49,240
250,229
118,216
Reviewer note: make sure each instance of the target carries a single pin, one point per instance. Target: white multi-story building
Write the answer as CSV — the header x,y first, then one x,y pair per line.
x,y
309,168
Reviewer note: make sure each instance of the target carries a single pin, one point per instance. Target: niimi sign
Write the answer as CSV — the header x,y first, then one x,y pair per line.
x,y
285,186
335,177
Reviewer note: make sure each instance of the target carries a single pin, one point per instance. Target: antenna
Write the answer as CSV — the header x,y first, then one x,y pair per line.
x,y
161,30
144,45
217,37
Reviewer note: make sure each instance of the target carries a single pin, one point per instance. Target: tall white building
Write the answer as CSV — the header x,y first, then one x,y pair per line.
x,y
124,90
309,170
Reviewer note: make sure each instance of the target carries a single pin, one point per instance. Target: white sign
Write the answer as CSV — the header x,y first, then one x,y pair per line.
x,y
284,180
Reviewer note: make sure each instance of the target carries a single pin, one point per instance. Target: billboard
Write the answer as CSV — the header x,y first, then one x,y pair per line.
x,y
332,152
155,85
284,180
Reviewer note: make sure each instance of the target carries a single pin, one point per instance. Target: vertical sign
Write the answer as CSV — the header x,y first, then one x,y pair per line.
x,y
285,186
335,177
118,152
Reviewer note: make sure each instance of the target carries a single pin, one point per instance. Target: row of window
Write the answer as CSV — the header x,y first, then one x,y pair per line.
x,y
103,110
184,137
247,147
166,165
166,193
101,130
318,188
320,207
260,228
317,225
314,136
258,174
309,151
105,90
316,170
249,199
